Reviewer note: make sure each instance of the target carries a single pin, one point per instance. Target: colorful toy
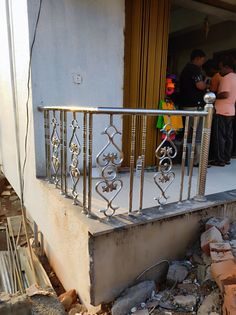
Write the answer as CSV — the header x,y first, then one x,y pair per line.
x,y
166,123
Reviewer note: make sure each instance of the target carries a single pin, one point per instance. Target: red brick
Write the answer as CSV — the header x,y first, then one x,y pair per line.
x,y
220,247
222,224
221,256
212,235
229,306
224,273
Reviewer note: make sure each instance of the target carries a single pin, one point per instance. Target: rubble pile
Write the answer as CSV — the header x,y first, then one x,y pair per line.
x,y
204,283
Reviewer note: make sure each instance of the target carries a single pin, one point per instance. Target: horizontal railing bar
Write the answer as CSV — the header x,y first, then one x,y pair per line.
x,y
124,111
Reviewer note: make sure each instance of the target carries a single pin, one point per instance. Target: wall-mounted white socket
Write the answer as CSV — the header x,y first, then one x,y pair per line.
x,y
77,78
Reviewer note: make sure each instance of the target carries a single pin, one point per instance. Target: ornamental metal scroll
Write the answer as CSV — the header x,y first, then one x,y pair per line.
x,y
55,143
108,159
75,150
165,153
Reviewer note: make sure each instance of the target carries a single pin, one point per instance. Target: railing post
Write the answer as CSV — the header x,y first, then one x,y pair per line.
x,y
209,98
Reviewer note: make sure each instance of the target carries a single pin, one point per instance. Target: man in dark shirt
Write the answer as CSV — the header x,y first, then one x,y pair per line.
x,y
192,90
192,87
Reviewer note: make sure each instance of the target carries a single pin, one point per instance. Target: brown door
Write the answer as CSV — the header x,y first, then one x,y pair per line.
x,y
146,44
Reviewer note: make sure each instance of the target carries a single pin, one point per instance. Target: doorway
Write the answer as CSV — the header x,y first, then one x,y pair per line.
x,y
146,45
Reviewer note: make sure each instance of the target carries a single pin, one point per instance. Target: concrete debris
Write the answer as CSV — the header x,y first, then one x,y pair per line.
x,y
77,309
133,310
185,301
68,298
206,259
177,273
6,193
191,285
36,290
232,231
141,312
212,235
132,297
211,303
152,304
188,288
222,224
197,259
15,304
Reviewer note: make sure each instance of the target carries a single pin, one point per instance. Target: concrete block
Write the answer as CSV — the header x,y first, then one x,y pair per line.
x,y
133,296
221,256
212,235
222,224
224,273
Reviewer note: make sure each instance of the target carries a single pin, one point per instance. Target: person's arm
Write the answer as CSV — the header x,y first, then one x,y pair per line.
x,y
222,95
215,81
201,85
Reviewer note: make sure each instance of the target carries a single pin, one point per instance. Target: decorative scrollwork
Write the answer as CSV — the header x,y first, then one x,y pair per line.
x,y
75,149
165,152
109,187
55,143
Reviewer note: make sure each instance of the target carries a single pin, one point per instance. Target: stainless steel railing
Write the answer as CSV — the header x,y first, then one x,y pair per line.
x,y
63,144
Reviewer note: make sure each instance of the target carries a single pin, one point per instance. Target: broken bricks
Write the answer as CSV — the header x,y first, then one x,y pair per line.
x,y
222,224
229,306
68,298
221,256
224,272
212,235
220,247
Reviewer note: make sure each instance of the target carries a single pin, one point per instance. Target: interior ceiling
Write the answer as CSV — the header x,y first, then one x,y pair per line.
x,y
189,15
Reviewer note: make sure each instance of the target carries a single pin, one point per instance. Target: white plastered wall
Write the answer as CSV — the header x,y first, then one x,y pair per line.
x,y
74,36
84,38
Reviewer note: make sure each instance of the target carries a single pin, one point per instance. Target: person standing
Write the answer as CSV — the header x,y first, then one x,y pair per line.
x,y
225,112
212,72
192,90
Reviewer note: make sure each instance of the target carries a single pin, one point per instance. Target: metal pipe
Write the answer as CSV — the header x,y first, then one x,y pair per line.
x,y
48,146
209,98
65,154
133,129
124,111
195,125
61,152
84,211
144,134
183,158
45,140
90,152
